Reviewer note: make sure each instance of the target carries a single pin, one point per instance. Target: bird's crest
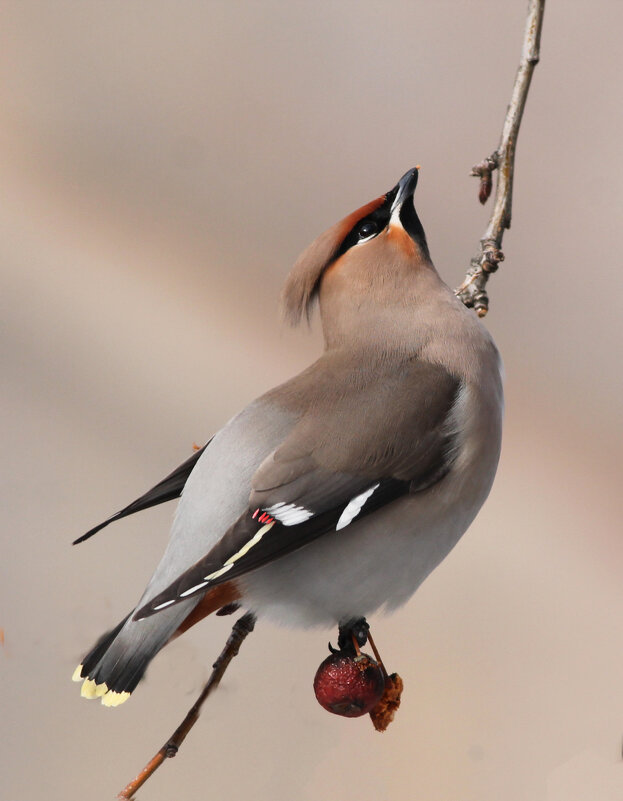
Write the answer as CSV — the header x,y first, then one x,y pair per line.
x,y
303,282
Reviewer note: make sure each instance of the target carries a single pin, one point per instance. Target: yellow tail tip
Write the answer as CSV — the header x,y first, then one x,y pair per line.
x,y
112,698
92,690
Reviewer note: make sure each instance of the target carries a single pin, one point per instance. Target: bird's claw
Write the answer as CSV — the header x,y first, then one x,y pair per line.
x,y
356,628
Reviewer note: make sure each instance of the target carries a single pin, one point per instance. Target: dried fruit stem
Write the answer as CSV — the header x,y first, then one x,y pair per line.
x,y
377,656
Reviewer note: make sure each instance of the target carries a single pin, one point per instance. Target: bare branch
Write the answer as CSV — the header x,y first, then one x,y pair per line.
x,y
241,628
473,289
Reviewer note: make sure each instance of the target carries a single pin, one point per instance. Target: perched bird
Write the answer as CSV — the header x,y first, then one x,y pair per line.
x,y
338,492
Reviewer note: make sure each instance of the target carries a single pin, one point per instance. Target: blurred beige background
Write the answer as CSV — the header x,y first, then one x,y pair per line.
x,y
162,166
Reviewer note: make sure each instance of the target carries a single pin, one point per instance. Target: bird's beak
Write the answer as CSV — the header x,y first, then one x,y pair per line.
x,y
403,190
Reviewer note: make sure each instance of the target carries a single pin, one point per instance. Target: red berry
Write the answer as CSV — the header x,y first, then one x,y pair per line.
x,y
349,685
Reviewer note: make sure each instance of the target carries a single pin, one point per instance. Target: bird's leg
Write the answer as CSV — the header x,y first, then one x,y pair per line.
x,y
354,630
228,609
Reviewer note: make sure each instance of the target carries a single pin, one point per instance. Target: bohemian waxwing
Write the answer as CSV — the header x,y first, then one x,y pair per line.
x,y
339,491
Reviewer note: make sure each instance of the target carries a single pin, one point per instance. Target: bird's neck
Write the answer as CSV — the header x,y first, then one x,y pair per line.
x,y
396,316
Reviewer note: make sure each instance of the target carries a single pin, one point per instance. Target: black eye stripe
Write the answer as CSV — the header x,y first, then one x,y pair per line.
x,y
378,219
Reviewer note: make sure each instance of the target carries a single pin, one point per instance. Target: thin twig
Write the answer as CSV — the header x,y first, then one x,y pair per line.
x,y
472,291
241,628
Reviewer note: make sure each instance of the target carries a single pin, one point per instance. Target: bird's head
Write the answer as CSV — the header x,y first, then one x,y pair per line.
x,y
371,257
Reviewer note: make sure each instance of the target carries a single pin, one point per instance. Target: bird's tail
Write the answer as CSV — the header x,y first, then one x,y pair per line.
x,y
117,662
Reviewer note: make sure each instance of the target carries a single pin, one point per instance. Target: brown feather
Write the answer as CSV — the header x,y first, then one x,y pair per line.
x,y
212,601
302,284
398,235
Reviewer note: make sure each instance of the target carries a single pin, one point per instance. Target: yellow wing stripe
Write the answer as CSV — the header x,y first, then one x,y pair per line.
x,y
247,546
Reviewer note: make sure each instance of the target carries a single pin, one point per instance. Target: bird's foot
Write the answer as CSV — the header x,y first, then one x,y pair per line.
x,y
350,631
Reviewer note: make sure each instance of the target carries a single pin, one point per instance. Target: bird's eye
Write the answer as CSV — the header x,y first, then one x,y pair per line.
x,y
367,230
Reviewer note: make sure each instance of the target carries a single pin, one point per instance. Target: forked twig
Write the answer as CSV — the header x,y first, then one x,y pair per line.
x,y
241,628
473,289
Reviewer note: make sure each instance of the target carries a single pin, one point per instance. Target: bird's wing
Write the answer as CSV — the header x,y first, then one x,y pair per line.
x,y
166,490
331,470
